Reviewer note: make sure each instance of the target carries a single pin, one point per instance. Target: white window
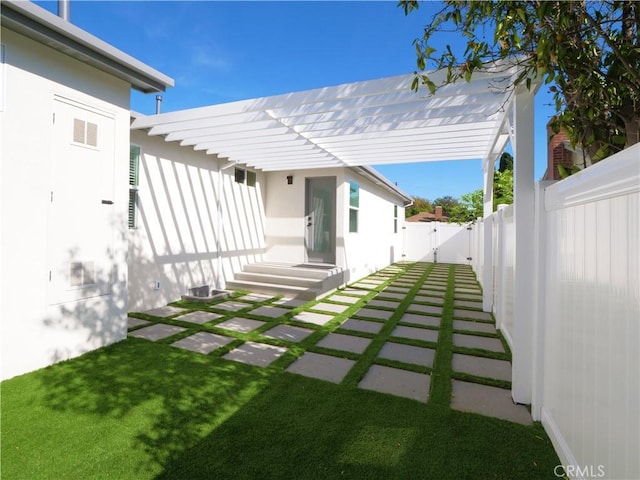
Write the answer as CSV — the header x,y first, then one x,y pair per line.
x,y
354,206
395,219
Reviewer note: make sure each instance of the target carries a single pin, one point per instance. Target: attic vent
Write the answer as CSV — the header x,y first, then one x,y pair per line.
x,y
82,273
85,133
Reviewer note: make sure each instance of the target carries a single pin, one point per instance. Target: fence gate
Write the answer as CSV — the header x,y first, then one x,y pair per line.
x,y
437,242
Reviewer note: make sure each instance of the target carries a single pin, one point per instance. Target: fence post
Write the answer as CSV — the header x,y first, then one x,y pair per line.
x,y
524,218
487,247
540,306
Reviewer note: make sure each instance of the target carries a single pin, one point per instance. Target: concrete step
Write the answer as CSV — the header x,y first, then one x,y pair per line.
x,y
277,279
317,271
291,291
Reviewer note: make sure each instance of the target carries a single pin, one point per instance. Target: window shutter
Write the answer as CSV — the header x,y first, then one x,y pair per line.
x,y
134,166
134,160
132,208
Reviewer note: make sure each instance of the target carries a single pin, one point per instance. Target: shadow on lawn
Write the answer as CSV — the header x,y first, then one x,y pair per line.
x,y
301,428
179,396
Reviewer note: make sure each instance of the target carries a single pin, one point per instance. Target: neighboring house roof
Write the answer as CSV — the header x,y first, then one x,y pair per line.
x,y
41,25
364,123
425,217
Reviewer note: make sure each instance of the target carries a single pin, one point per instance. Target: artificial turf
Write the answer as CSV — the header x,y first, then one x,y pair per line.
x,y
143,410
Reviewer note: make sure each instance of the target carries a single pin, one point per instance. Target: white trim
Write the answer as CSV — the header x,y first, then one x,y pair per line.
x,y
555,435
623,168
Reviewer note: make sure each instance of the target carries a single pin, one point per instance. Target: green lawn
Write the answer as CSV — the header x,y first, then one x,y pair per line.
x,y
139,410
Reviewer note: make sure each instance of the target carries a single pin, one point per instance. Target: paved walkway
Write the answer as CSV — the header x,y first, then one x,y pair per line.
x,y
393,332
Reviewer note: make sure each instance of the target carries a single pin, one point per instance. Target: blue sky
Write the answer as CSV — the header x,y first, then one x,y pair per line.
x,y
226,51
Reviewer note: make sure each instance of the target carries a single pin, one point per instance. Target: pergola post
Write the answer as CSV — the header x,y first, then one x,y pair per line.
x,y
524,275
487,231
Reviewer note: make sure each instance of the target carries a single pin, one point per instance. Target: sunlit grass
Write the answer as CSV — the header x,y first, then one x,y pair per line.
x,y
143,410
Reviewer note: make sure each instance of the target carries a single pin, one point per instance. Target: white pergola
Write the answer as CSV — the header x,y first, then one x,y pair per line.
x,y
384,122
366,123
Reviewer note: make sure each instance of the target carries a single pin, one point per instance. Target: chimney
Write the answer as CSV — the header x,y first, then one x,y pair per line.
x,y
438,213
158,103
64,10
557,154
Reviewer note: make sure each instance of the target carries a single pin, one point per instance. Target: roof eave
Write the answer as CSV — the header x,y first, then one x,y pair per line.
x,y
38,24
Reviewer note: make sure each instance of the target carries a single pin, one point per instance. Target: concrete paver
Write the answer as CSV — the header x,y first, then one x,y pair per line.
x,y
344,299
474,326
489,401
199,317
157,331
407,354
415,333
430,309
253,353
401,383
203,342
290,302
330,307
362,325
429,299
289,333
346,343
231,306
475,341
166,311
481,367
242,325
314,318
135,322
323,367
269,311
373,313
384,303
418,319
460,313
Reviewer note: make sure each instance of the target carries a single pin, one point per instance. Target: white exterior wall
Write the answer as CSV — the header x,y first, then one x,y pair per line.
x,y
591,343
38,328
374,246
175,243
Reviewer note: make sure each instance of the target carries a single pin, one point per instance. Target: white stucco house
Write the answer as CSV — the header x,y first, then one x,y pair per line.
x,y
88,236
198,219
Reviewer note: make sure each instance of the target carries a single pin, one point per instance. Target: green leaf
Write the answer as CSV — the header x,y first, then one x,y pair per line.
x,y
563,171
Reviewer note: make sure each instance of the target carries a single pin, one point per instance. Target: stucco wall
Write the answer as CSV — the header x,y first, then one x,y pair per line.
x,y
374,246
175,243
39,328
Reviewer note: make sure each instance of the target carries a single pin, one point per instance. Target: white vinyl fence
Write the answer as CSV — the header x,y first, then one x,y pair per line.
x,y
437,242
585,347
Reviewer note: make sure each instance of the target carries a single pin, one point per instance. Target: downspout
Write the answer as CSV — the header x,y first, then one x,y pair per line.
x,y
219,223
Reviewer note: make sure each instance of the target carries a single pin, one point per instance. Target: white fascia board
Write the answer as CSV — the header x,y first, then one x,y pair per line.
x,y
378,177
41,25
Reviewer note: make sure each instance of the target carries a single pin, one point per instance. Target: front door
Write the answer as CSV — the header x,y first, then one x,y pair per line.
x,y
320,219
